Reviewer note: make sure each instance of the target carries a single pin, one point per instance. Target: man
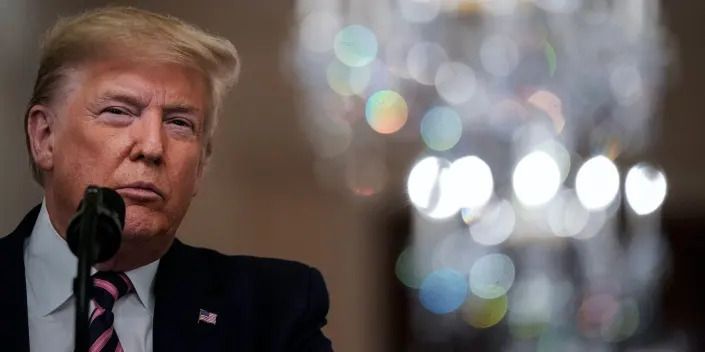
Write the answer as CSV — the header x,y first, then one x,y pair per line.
x,y
128,99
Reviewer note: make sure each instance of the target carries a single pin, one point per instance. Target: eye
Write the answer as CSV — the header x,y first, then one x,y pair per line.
x,y
180,122
115,110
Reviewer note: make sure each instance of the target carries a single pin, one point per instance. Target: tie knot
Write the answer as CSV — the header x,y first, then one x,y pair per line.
x,y
109,286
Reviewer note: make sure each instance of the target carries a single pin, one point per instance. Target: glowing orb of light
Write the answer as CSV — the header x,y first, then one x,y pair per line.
x,y
597,314
408,269
532,303
484,313
551,105
495,225
551,57
346,80
645,188
455,82
386,111
443,291
456,251
472,181
441,128
471,215
423,61
597,183
430,190
536,179
566,216
355,46
491,276
499,55
560,154
420,11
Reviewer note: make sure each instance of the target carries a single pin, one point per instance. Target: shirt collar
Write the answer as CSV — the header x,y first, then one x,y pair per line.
x,y
51,266
143,280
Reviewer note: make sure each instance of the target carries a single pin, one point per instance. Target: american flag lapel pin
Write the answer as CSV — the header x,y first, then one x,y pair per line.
x,y
207,317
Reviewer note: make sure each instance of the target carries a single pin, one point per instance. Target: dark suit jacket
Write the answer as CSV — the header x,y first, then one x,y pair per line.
x,y
262,304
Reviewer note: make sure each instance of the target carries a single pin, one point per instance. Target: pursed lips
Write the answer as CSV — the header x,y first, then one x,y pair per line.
x,y
140,191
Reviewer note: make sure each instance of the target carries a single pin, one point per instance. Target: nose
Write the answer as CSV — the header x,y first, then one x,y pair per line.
x,y
148,138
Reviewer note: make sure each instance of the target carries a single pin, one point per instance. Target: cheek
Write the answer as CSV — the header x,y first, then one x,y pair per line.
x,y
182,164
87,153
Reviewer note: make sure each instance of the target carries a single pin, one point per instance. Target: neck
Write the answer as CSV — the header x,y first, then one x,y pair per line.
x,y
133,254
60,213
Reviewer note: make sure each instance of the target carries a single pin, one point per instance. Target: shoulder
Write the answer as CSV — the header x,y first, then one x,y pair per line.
x,y
281,300
267,277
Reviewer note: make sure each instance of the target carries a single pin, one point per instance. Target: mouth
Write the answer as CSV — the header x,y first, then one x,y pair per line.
x,y
140,191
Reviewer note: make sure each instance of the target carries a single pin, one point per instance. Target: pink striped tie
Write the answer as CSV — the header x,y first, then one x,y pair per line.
x,y
108,287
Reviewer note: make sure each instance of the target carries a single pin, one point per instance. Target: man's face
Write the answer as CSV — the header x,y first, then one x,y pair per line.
x,y
138,129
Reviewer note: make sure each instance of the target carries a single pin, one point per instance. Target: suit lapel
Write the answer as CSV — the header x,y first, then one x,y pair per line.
x,y
13,297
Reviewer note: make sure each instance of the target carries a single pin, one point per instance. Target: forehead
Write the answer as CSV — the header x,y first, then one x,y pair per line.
x,y
151,83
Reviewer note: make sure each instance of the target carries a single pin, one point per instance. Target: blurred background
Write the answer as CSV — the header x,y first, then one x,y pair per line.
x,y
496,175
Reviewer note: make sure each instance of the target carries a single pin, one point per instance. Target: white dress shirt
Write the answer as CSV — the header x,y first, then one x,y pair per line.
x,y
49,271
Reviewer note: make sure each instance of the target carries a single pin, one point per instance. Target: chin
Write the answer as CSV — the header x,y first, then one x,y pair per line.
x,y
141,226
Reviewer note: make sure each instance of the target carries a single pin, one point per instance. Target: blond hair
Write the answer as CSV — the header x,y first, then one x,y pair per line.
x,y
76,40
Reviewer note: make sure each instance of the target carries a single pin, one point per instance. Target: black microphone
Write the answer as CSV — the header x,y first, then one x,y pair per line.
x,y
94,235
107,209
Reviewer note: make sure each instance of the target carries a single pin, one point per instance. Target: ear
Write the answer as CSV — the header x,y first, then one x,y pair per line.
x,y
40,130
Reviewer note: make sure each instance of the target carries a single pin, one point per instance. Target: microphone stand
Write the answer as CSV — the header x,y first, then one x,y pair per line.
x,y
82,283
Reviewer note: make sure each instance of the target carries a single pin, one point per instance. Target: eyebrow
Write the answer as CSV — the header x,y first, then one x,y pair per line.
x,y
134,101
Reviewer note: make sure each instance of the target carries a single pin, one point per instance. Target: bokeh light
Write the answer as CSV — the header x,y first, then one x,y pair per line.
x,y
536,179
645,188
499,55
355,46
566,216
507,115
423,61
317,31
471,215
471,180
511,97
346,80
551,105
443,291
596,221
531,302
599,317
495,225
551,57
455,82
492,276
597,183
380,78
441,128
456,251
625,323
386,111
429,188
420,11
408,269
559,154
484,313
